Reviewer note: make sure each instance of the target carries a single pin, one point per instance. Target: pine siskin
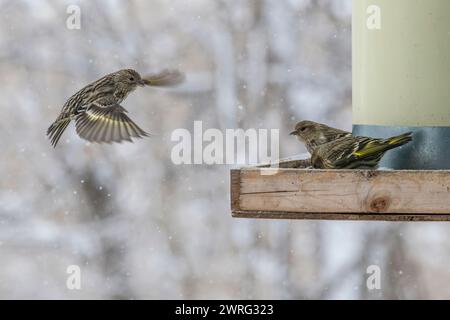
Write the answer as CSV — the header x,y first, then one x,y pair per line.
x,y
96,108
313,134
344,151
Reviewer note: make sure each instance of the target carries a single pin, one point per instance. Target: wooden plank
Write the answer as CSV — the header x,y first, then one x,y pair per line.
x,y
340,216
341,194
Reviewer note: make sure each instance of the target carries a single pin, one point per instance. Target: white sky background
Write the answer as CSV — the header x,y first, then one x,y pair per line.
x,y
141,227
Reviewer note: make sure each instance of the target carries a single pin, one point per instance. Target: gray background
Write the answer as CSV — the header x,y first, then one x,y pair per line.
x,y
141,227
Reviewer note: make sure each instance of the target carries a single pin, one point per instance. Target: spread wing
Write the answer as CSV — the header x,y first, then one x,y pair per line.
x,y
107,124
165,78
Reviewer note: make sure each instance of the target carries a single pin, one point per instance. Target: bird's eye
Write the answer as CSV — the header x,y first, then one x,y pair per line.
x,y
131,79
303,129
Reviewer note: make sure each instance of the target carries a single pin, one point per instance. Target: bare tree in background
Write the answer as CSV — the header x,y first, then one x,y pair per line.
x,y
140,226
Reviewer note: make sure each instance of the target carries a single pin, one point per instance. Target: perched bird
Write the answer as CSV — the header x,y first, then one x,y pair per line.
x,y
335,149
313,134
96,108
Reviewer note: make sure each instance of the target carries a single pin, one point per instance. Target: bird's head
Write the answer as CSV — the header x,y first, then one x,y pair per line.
x,y
313,134
128,78
304,129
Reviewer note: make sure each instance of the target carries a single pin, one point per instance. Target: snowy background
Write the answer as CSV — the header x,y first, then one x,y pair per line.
x,y
141,227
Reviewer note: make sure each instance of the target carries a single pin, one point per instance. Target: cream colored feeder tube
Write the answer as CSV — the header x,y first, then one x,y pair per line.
x,y
401,78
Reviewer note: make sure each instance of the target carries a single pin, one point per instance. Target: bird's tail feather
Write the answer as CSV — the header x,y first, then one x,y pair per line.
x,y
381,146
373,151
399,140
56,130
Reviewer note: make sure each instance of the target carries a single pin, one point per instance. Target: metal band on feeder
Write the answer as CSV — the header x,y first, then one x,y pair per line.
x,y
401,78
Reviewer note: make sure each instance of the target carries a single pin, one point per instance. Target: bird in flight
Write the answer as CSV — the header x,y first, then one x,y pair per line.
x,y
332,148
96,108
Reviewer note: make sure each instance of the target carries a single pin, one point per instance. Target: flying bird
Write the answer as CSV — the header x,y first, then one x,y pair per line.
x,y
332,148
96,108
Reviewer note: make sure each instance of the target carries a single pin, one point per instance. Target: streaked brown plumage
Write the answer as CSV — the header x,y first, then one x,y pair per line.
x,y
96,108
313,134
355,152
332,148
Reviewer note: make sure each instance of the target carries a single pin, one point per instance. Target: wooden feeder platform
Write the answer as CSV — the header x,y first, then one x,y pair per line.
x,y
292,193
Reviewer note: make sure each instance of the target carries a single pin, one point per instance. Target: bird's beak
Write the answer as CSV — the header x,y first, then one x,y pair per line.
x,y
142,83
293,133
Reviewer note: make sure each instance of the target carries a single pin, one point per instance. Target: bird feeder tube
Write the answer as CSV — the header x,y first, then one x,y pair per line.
x,y
386,195
401,74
